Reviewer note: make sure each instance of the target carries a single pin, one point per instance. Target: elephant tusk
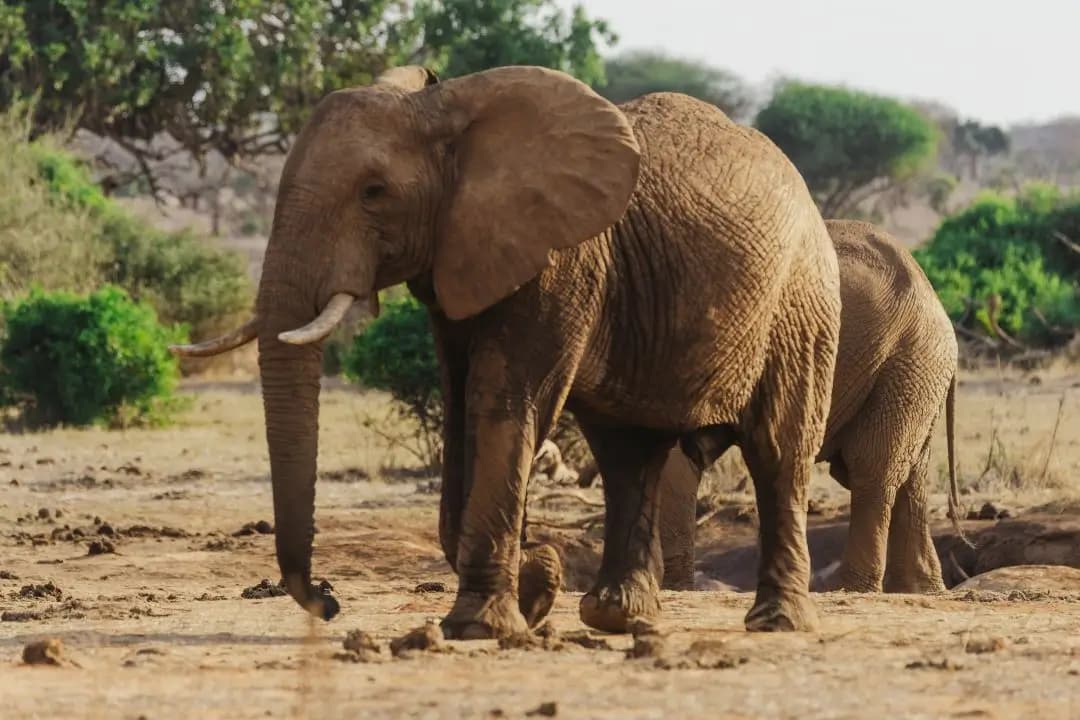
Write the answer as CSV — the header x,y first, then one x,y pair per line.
x,y
229,341
323,325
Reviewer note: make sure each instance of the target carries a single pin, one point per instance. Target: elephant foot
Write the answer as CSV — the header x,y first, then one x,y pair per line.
x,y
776,611
612,606
918,585
480,617
539,581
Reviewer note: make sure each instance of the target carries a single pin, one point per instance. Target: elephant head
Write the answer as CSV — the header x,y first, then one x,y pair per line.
x,y
470,182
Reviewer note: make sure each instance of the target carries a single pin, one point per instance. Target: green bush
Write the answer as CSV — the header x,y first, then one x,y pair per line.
x,y
79,360
396,353
1018,251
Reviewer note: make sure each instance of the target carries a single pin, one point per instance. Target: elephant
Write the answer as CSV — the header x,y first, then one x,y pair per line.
x,y
896,366
654,267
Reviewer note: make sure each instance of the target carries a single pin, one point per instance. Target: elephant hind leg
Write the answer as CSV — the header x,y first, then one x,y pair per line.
x,y
913,565
630,460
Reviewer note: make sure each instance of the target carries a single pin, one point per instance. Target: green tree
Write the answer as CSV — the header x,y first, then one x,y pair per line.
x,y
239,78
464,36
638,72
849,145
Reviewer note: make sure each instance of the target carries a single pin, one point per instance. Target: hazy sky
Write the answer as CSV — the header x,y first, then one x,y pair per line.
x,y
1002,61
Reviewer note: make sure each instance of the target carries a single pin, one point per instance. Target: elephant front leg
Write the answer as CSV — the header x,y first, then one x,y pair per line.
x,y
499,448
628,588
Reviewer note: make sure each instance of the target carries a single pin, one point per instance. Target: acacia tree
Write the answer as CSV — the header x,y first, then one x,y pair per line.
x,y
973,140
638,72
238,78
848,145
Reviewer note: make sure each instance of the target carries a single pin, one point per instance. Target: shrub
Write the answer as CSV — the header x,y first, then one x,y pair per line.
x,y
59,231
1018,251
185,279
69,359
41,241
396,353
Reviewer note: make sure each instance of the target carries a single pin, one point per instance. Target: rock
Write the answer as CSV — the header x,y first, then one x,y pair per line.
x,y
989,511
1045,578
43,514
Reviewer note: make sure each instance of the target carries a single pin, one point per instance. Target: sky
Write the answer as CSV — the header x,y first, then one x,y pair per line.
x,y
998,61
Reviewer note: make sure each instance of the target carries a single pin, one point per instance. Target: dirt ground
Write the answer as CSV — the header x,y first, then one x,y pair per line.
x,y
154,624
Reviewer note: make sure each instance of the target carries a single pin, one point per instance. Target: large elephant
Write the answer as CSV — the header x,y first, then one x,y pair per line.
x,y
654,267
895,367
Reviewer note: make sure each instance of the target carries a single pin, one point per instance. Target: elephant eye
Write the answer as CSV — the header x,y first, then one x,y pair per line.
x,y
374,191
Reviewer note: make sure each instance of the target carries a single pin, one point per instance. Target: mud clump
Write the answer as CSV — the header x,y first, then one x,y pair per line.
x,y
989,511
46,652
428,638
587,640
262,527
43,591
430,587
547,709
265,589
7,575
531,641
703,655
929,664
101,547
21,616
359,647
983,645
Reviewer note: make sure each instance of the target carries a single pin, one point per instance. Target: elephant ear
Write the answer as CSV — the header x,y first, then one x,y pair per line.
x,y
542,163
408,77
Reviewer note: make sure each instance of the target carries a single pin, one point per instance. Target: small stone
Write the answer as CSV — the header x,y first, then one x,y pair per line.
x,y
43,514
105,528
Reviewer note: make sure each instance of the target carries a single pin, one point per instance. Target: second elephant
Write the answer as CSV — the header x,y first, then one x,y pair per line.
x,y
895,367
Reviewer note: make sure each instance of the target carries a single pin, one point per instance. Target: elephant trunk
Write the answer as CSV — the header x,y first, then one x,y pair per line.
x,y
290,377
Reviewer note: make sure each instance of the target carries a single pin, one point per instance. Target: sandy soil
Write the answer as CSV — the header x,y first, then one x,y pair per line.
x,y
158,628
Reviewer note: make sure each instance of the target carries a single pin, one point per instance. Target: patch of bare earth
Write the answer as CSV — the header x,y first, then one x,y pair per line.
x,y
158,626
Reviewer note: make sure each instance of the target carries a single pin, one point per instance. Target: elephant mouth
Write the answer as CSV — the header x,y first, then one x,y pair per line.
x,y
331,315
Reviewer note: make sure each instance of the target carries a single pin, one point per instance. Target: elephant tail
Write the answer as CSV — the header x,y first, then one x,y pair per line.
x,y
950,439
